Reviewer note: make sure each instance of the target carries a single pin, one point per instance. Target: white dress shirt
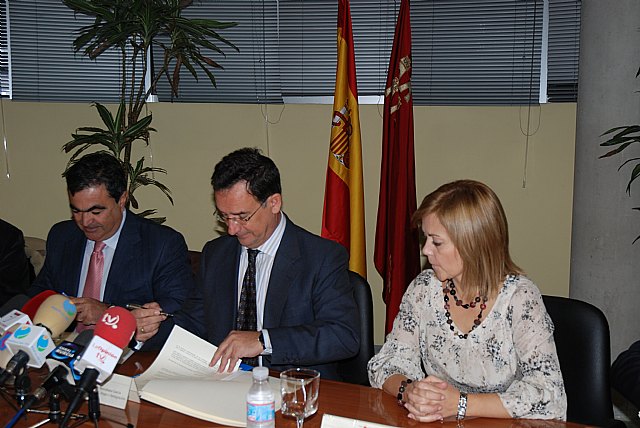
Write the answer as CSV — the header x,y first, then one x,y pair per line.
x,y
264,264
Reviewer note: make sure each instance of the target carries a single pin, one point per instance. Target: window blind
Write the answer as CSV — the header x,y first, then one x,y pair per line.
x,y
5,88
44,66
465,52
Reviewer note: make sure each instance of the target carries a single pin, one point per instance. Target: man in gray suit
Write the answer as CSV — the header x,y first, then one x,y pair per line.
x,y
305,312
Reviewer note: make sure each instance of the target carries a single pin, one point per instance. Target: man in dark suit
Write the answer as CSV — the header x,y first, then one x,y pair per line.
x,y
136,260
15,271
304,311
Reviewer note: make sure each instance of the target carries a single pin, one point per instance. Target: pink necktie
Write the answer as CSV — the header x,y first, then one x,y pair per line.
x,y
94,278
94,274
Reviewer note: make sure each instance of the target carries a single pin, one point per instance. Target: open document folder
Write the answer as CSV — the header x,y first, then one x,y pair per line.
x,y
180,379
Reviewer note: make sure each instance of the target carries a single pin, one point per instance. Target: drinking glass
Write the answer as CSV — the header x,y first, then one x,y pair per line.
x,y
299,389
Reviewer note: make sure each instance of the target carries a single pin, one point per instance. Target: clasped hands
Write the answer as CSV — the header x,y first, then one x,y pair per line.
x,y
431,399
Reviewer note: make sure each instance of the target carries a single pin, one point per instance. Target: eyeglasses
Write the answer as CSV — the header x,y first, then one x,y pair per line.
x,y
237,220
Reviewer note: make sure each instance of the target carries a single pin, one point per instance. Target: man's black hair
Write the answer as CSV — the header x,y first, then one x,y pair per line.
x,y
95,169
247,164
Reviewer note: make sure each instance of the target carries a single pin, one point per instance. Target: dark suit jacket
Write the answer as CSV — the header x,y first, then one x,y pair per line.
x,y
310,311
150,264
14,265
625,374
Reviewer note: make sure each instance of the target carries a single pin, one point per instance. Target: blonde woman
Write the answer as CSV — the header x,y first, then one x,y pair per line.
x,y
472,337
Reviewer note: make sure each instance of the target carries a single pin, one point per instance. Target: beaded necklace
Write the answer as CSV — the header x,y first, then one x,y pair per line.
x,y
450,289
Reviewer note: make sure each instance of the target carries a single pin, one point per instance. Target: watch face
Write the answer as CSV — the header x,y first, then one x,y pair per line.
x,y
261,339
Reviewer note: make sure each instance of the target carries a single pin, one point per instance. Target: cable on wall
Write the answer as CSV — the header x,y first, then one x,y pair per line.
x,y
527,132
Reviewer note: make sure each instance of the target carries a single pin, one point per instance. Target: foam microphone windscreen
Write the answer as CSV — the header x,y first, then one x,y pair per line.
x,y
56,313
16,302
31,307
117,325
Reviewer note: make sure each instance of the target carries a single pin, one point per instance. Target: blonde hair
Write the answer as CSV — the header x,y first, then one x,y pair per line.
x,y
473,217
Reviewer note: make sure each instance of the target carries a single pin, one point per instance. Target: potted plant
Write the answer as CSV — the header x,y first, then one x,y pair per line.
x,y
620,138
136,28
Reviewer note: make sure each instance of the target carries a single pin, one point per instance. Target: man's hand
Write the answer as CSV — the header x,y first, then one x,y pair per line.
x,y
236,345
148,320
89,310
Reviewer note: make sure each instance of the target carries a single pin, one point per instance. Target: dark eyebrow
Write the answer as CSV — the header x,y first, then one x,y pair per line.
x,y
93,208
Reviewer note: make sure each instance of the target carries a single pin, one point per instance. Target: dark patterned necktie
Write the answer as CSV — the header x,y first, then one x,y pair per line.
x,y
247,318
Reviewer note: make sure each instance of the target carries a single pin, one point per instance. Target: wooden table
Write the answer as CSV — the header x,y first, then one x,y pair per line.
x,y
336,398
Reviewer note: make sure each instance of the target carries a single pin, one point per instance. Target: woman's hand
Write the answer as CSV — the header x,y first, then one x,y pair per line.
x,y
431,399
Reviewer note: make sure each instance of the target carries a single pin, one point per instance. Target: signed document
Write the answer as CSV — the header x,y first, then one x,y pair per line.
x,y
180,379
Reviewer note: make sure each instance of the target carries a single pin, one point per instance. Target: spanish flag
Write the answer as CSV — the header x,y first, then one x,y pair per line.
x,y
343,213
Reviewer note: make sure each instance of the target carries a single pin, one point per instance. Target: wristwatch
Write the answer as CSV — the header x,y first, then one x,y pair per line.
x,y
261,339
462,406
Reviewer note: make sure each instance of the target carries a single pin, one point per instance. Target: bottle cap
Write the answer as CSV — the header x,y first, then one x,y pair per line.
x,y
260,373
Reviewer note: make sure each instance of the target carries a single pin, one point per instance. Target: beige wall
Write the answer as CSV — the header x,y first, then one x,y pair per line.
x,y
484,143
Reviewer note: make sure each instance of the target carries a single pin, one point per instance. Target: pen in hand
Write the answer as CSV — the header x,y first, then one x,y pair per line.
x,y
132,306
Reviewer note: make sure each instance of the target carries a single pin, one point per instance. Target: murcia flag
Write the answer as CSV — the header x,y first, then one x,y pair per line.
x,y
343,213
397,249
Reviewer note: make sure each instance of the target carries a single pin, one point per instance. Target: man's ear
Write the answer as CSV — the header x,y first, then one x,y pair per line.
x,y
123,199
274,203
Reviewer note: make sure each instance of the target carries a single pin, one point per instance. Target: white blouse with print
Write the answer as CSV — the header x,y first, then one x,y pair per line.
x,y
511,353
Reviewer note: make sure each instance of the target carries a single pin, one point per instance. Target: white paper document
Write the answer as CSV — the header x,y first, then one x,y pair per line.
x,y
184,356
331,421
180,379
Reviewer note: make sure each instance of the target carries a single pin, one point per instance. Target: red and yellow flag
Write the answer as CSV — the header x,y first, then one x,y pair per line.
x,y
343,213
397,248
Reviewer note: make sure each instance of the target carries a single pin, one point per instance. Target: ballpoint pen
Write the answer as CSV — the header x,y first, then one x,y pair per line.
x,y
132,306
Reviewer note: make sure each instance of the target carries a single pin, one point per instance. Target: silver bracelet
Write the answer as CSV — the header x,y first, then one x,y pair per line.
x,y
462,406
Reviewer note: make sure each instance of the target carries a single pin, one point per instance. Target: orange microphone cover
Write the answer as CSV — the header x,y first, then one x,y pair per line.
x,y
56,313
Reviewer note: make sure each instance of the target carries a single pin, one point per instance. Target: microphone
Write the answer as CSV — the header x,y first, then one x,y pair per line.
x,y
14,366
11,314
28,308
112,333
31,307
13,318
53,316
67,353
55,379
5,352
56,313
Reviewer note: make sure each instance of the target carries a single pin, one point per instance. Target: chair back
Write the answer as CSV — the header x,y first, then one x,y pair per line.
x,y
582,342
194,260
354,369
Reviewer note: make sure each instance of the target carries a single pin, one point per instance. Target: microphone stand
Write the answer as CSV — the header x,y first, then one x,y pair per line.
x,y
22,386
54,414
94,406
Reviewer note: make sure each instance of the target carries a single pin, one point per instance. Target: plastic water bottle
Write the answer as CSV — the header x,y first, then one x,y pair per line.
x,y
261,401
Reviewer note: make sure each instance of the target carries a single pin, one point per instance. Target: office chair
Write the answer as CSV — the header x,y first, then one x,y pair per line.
x,y
354,369
194,260
582,341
